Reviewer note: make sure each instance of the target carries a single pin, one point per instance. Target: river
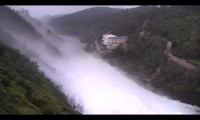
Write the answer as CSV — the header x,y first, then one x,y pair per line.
x,y
99,87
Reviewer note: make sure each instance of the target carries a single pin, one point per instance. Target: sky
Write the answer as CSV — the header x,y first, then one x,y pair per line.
x,y
40,11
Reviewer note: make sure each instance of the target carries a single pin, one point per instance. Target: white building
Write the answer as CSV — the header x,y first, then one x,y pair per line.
x,y
112,41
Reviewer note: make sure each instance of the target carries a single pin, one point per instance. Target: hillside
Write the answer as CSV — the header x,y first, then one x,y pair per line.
x,y
24,89
75,23
12,22
21,30
177,21
148,28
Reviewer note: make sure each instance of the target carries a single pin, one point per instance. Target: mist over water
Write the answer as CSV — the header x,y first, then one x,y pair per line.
x,y
95,85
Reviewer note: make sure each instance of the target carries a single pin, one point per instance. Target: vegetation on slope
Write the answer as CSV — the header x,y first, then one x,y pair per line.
x,y
25,90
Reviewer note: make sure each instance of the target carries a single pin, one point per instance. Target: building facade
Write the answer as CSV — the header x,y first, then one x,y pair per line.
x,y
112,41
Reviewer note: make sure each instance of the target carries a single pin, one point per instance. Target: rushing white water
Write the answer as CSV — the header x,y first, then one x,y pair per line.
x,y
99,87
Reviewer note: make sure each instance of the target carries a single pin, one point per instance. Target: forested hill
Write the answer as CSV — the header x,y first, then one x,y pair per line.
x,y
77,22
149,28
174,23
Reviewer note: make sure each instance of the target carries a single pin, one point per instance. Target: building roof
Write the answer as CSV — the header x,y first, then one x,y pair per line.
x,y
109,35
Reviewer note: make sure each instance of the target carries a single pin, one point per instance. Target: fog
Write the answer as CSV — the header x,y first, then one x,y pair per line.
x,y
88,79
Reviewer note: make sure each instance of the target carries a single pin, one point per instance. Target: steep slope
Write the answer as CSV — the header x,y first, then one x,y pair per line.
x,y
12,22
47,33
23,88
21,30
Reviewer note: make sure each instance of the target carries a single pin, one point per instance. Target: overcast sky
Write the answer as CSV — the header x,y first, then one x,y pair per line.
x,y
39,11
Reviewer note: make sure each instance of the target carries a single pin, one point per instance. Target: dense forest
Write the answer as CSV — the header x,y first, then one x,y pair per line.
x,y
148,28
